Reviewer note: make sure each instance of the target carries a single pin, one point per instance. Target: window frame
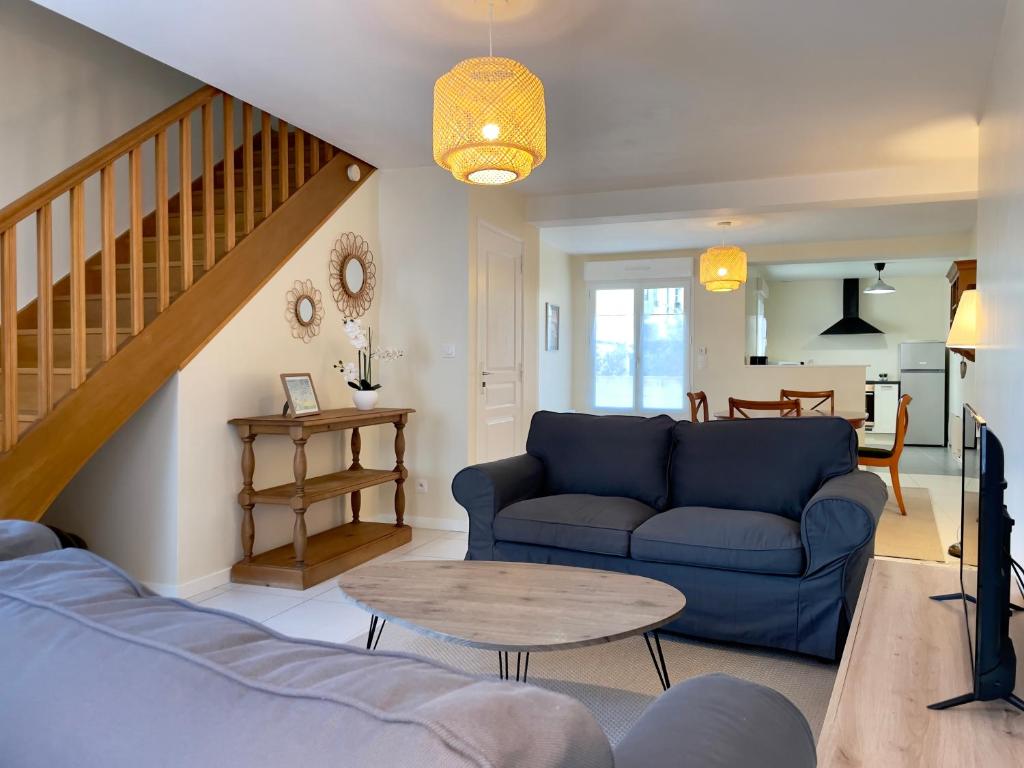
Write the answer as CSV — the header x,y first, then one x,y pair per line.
x,y
638,287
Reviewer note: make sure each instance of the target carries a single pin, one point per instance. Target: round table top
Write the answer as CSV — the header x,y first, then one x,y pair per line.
x,y
856,418
512,606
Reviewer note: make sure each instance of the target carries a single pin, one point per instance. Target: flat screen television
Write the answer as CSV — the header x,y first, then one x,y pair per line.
x,y
985,567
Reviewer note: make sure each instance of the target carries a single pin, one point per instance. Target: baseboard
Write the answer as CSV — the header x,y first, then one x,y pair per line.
x,y
423,521
191,588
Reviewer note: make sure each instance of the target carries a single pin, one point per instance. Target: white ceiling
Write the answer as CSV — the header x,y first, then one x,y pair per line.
x,y
843,269
807,225
639,93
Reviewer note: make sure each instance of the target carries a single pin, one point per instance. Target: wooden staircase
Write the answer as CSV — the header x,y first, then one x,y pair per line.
x,y
82,357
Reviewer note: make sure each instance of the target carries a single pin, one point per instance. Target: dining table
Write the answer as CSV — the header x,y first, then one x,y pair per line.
x,y
856,418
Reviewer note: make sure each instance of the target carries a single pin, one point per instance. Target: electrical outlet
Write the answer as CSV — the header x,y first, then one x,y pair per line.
x,y
421,486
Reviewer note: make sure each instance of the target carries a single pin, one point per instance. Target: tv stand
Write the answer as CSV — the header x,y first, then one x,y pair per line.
x,y
967,698
954,596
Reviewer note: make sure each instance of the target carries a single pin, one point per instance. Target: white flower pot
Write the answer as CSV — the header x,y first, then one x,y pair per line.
x,y
364,400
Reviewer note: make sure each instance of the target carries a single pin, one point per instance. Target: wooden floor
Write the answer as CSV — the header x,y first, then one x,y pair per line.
x,y
905,652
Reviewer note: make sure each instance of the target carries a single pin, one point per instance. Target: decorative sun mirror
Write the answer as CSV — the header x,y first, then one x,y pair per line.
x,y
353,275
305,310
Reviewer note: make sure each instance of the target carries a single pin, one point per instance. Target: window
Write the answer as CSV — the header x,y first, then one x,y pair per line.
x,y
639,350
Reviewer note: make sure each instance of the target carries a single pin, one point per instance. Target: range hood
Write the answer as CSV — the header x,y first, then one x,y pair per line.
x,y
851,323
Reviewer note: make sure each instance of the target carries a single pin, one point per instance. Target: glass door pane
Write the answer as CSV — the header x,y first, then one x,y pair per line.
x,y
614,348
663,351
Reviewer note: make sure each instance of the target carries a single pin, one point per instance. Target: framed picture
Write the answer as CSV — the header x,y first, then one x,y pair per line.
x,y
298,387
551,337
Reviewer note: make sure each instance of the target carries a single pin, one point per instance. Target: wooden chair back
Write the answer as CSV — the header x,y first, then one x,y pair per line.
x,y
698,404
822,397
902,425
741,408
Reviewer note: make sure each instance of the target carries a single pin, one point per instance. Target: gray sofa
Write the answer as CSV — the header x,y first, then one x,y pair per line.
x,y
766,525
97,671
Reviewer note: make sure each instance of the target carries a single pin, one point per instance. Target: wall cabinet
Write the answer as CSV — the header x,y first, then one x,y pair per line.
x,y
887,398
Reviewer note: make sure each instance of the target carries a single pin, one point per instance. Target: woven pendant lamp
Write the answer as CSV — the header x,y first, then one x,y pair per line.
x,y
723,268
490,125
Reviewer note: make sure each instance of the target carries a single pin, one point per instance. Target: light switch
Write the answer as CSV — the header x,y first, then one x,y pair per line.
x,y
448,351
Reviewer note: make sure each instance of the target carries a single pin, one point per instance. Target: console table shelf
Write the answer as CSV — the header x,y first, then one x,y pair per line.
x,y
327,486
308,560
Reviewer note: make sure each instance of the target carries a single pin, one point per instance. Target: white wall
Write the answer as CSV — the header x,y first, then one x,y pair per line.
x,y
424,305
798,311
554,372
1000,251
67,91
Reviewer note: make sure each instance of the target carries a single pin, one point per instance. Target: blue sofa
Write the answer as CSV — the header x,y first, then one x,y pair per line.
x,y
766,525
98,671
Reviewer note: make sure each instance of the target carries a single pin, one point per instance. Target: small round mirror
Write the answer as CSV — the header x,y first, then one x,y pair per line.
x,y
305,310
354,276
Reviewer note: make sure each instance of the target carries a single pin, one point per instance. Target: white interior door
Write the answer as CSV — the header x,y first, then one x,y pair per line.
x,y
500,344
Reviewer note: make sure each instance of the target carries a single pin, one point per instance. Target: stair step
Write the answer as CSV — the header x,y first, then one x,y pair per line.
x,y
28,346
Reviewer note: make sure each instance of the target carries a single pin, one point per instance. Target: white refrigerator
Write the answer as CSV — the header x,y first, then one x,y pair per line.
x,y
923,377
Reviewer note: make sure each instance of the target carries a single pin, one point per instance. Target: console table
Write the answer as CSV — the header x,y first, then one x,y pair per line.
x,y
308,560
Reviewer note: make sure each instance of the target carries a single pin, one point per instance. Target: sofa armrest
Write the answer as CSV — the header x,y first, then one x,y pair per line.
x,y
841,518
19,538
718,721
485,489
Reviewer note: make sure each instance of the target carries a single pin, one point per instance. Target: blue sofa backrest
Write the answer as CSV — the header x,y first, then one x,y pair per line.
x,y
767,465
603,455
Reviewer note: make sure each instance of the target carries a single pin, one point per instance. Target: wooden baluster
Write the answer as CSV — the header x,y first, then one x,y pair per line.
x,y
357,500
245,496
300,158
209,215
299,497
282,160
9,331
314,155
266,156
162,231
247,169
185,200
108,263
403,473
328,152
78,361
44,308
229,173
138,317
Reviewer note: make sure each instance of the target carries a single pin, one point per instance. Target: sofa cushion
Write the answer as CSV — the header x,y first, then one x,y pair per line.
x,y
21,537
771,465
729,539
586,523
603,455
97,671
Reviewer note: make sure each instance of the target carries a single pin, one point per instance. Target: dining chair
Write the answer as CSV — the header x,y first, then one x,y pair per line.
x,y
890,457
822,397
742,407
698,404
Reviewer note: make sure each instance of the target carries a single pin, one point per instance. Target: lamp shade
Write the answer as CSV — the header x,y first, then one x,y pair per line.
x,y
490,124
723,268
963,333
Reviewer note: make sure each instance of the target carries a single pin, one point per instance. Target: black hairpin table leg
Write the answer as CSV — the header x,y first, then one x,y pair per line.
x,y
376,630
658,659
522,666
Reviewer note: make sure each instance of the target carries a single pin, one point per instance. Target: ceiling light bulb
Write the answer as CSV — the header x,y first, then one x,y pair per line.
x,y
722,271
491,131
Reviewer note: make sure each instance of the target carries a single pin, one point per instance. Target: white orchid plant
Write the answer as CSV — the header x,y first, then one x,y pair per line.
x,y
359,374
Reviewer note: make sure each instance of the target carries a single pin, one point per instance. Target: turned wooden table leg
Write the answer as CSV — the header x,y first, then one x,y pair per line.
x,y
401,470
245,496
298,499
357,499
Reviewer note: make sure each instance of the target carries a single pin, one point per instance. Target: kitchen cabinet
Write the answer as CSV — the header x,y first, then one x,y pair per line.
x,y
887,398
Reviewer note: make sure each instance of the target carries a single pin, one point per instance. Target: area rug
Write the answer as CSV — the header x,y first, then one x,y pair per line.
x,y
617,681
914,536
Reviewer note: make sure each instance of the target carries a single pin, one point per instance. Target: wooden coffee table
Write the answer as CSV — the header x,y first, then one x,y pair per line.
x,y
514,607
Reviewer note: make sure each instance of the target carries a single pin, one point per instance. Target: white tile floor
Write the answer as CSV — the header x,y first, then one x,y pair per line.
x,y
322,612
